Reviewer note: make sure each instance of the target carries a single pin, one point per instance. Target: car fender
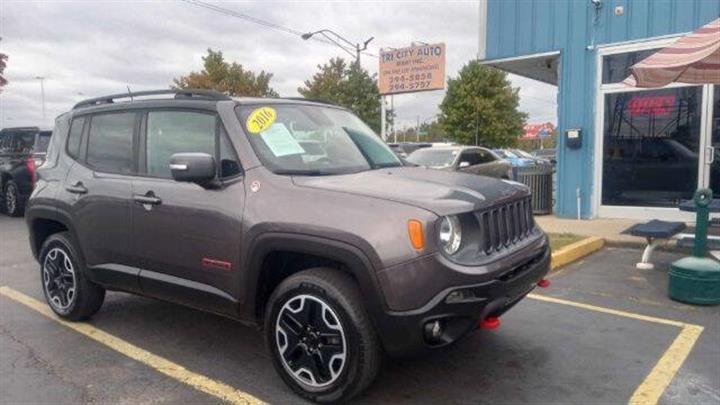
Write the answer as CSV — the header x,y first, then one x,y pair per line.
x,y
358,262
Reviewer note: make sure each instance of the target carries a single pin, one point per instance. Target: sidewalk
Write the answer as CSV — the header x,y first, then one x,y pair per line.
x,y
608,229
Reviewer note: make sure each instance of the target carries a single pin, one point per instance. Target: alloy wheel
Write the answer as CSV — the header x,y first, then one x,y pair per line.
x,y
10,198
311,341
59,279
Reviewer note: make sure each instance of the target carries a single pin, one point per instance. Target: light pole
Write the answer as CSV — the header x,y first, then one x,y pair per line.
x,y
337,38
42,94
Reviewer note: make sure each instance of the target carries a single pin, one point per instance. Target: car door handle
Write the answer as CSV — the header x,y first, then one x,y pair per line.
x,y
147,198
77,188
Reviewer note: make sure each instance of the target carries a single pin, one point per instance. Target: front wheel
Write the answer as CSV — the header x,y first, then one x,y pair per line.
x,y
320,336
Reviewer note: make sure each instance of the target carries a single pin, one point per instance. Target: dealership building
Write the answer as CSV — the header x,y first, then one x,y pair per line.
x,y
623,152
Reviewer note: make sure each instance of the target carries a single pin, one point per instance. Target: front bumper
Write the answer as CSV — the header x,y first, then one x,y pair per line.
x,y
403,332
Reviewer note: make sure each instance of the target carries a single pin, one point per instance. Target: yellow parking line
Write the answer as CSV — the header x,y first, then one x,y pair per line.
x,y
164,366
652,388
607,310
660,377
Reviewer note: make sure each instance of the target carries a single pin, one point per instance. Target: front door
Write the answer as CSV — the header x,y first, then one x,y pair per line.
x,y
186,237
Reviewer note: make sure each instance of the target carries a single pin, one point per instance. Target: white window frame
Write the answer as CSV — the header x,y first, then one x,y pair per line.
x,y
634,212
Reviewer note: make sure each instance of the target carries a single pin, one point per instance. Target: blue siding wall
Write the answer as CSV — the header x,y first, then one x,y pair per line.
x,y
525,27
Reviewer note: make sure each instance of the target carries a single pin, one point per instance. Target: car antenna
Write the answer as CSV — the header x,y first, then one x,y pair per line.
x,y
129,92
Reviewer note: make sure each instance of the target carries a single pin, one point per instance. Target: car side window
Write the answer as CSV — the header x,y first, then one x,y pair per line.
x,y
74,137
485,157
469,156
110,142
170,132
4,142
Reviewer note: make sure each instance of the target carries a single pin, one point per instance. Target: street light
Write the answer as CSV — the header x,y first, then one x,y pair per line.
x,y
42,94
337,37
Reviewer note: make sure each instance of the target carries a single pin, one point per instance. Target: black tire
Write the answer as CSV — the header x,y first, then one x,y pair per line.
x,y
58,253
363,353
13,205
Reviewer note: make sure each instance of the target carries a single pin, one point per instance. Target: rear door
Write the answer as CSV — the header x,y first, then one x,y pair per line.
x,y
98,191
187,237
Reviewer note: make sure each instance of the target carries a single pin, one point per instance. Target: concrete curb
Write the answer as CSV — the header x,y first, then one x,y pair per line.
x,y
574,251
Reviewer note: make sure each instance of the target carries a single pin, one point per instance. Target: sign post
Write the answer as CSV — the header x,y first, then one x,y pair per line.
x,y
409,70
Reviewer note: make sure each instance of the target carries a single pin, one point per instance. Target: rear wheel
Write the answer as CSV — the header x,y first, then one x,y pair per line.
x,y
14,206
67,291
320,336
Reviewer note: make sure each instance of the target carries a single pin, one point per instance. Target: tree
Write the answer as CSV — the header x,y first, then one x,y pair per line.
x,y
350,86
3,64
429,132
481,101
229,78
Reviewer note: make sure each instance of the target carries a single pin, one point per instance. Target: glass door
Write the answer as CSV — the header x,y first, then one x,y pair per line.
x,y
651,146
712,149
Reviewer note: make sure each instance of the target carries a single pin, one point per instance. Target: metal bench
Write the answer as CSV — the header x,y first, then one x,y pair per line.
x,y
653,231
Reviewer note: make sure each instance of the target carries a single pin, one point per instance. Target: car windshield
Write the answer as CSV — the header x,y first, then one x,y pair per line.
x,y
301,139
522,153
504,153
433,157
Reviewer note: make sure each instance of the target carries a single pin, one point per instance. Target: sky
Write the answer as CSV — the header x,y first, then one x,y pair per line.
x,y
87,49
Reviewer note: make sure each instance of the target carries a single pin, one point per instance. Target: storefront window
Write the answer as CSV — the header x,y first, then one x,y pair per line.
x,y
616,67
651,145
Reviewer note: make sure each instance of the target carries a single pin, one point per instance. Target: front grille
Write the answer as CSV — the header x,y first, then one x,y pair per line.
x,y
504,225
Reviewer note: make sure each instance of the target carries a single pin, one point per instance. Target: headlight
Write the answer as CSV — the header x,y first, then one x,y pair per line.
x,y
450,234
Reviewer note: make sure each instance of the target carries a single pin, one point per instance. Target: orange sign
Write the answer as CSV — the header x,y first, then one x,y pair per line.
x,y
417,68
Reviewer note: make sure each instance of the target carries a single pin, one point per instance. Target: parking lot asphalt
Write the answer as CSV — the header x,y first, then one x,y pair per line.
x,y
595,336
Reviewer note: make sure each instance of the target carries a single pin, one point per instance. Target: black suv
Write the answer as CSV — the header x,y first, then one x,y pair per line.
x,y
22,150
288,214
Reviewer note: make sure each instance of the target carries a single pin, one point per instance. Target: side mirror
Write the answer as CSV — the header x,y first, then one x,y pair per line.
x,y
463,165
193,167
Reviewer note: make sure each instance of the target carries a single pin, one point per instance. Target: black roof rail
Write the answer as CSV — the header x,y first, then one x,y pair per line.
x,y
313,100
199,94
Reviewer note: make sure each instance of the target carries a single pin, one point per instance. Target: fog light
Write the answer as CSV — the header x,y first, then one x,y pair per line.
x,y
463,295
433,331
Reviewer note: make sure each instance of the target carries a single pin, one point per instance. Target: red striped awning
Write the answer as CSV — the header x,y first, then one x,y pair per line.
x,y
694,58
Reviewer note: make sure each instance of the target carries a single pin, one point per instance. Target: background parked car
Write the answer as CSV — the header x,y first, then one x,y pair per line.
x,y
549,154
403,149
22,150
520,158
471,159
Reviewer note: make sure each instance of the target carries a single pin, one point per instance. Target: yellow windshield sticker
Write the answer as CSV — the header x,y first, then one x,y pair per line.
x,y
260,119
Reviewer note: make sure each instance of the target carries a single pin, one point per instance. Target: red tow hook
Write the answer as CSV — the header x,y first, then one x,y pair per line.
x,y
544,283
490,322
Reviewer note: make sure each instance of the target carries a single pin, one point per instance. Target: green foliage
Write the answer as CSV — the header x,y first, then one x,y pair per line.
x,y
348,85
3,64
429,132
481,99
229,78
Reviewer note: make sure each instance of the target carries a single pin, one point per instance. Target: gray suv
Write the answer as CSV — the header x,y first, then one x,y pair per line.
x,y
339,252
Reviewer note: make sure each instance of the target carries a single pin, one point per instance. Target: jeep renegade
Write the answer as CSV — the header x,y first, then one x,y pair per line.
x,y
287,214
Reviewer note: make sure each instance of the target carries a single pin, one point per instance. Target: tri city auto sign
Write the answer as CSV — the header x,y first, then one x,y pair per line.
x,y
416,68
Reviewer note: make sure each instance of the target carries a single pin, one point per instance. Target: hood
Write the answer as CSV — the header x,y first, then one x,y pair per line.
x,y
439,191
